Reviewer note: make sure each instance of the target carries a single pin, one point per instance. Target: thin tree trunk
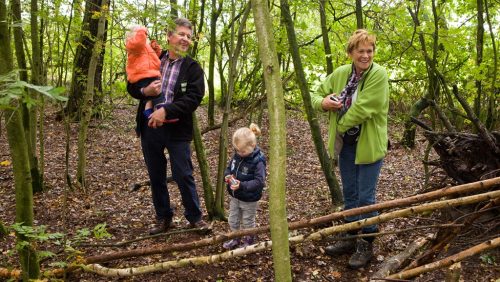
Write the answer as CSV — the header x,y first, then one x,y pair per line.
x,y
18,147
223,137
277,141
326,164
208,190
492,115
326,40
479,56
359,14
432,91
174,11
89,95
82,60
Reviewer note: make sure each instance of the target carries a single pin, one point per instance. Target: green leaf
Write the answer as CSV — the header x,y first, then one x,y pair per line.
x,y
45,254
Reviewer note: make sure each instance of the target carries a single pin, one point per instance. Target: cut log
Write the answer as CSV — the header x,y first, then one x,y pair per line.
x,y
395,262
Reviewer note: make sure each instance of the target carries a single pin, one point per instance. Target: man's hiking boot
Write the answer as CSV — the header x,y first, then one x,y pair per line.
x,y
162,225
363,254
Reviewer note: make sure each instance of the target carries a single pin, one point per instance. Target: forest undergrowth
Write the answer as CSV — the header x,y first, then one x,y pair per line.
x,y
115,164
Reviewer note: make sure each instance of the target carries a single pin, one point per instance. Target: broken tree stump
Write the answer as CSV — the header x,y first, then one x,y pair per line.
x,y
465,157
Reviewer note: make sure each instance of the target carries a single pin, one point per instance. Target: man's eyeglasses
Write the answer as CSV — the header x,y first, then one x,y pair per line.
x,y
182,34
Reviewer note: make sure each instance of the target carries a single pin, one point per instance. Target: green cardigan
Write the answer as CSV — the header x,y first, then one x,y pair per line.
x,y
370,110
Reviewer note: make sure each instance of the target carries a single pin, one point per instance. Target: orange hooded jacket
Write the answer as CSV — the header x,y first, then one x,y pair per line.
x,y
142,61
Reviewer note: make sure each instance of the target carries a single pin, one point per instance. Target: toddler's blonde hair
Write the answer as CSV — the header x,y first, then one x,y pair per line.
x,y
132,30
246,137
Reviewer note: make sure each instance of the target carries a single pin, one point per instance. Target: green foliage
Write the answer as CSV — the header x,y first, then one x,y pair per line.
x,y
488,258
100,231
14,89
34,236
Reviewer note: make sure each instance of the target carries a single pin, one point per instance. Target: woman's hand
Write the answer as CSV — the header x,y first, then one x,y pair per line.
x,y
153,89
157,117
331,103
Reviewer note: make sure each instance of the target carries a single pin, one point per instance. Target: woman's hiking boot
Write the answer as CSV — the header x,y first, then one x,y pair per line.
x,y
341,247
363,254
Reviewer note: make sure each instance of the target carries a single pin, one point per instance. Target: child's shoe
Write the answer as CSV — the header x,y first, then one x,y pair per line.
x,y
231,244
147,112
247,241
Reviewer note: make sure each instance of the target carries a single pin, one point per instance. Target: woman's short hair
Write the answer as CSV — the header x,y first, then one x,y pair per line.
x,y
360,36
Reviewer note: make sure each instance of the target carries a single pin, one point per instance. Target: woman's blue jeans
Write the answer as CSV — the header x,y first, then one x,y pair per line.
x,y
359,184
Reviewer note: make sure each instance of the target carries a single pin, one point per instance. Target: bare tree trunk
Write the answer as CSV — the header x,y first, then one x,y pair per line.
x,y
208,190
18,146
433,86
82,61
277,141
492,115
359,14
174,9
89,95
326,40
233,72
479,56
326,164
216,10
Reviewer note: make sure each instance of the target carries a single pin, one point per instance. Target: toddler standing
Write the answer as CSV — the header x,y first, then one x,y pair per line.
x,y
245,177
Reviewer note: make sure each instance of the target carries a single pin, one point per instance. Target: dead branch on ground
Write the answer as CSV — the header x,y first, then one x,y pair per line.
x,y
448,191
488,245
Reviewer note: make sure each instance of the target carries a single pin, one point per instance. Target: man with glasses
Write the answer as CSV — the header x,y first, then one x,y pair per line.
x,y
170,126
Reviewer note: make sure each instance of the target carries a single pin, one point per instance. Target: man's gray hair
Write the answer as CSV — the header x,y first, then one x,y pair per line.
x,y
179,22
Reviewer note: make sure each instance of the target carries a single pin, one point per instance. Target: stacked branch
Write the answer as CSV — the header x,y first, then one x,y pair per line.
x,y
445,192
318,235
92,263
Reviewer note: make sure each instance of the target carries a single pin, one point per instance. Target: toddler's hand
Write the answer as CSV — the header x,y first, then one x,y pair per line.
x,y
236,186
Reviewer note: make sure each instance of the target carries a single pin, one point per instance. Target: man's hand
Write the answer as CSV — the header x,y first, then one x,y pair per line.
x,y
153,89
329,104
157,117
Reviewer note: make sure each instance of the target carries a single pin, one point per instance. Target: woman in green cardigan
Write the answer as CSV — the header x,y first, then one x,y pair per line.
x,y
356,97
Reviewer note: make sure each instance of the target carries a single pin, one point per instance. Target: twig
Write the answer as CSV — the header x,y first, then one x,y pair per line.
x,y
163,266
488,245
124,243
487,137
470,187
377,234
390,279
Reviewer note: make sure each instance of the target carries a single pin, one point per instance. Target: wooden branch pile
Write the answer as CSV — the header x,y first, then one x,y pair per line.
x,y
448,197
465,157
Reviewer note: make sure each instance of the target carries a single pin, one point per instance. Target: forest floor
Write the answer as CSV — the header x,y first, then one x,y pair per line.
x,y
115,163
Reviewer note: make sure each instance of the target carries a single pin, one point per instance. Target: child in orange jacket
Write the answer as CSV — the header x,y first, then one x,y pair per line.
x,y
143,63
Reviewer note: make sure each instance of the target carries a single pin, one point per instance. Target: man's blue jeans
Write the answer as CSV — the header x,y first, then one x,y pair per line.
x,y
154,142
359,183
